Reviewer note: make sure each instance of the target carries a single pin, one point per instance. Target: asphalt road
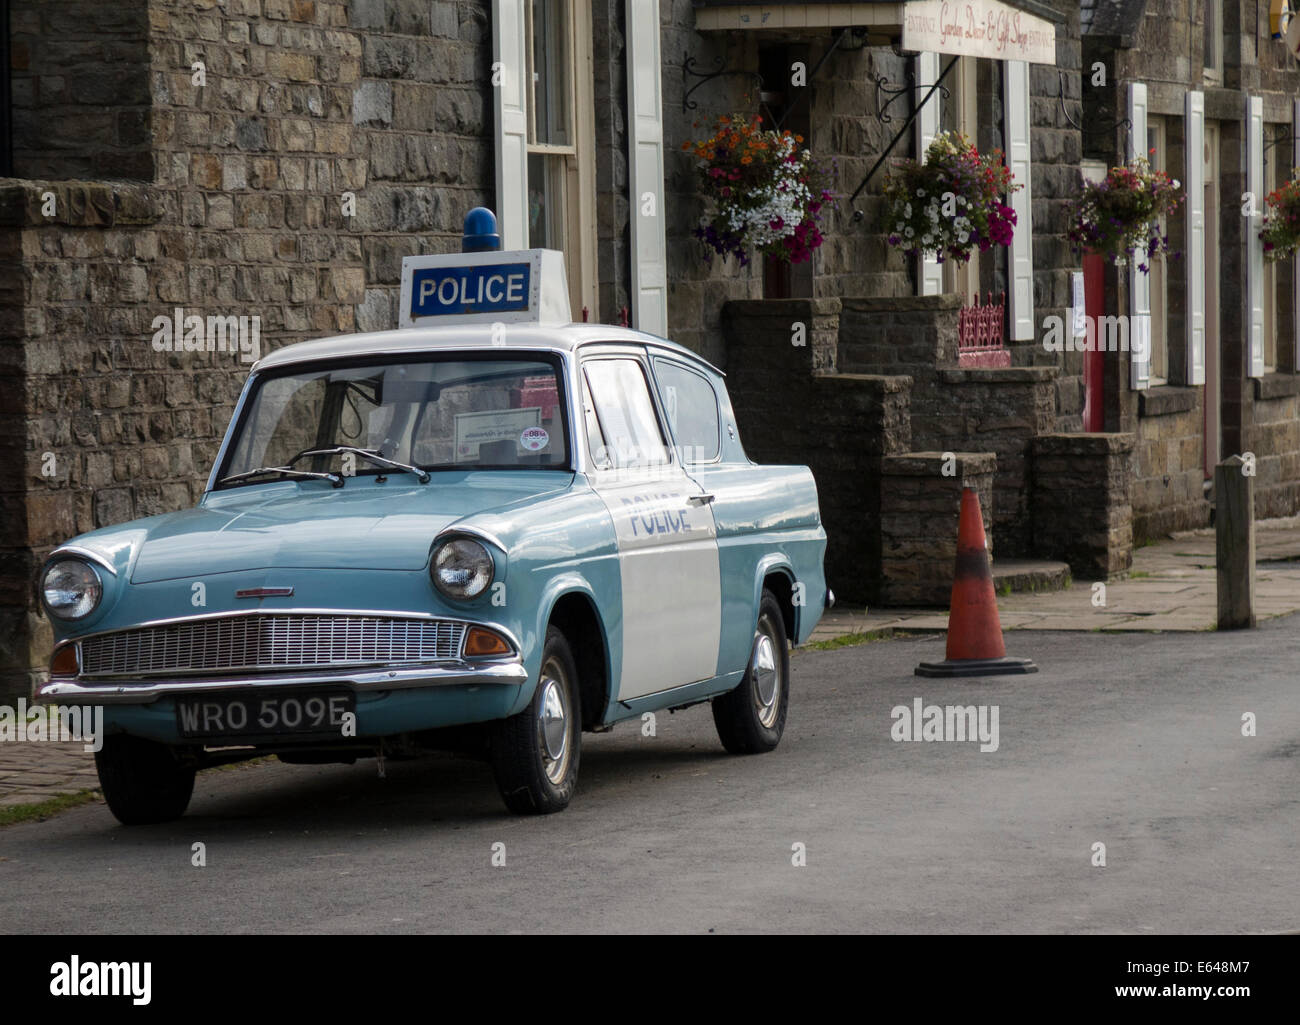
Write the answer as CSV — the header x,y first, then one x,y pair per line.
x,y
1133,741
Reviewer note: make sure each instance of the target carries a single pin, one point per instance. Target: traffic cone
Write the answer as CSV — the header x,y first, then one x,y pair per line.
x,y
975,646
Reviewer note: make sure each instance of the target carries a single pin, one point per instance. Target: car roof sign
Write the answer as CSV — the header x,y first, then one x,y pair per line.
x,y
484,285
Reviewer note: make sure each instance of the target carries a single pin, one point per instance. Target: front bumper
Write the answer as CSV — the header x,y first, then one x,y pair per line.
x,y
450,673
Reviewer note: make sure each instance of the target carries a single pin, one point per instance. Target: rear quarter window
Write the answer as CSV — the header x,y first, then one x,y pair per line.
x,y
691,406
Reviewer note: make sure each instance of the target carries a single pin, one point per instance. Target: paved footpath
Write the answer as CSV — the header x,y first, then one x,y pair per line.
x,y
1171,588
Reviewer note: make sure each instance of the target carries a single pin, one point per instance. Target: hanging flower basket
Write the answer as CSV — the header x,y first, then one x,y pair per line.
x,y
766,192
1121,213
1281,232
951,202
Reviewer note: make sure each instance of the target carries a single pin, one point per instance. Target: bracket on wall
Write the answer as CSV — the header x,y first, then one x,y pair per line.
x,y
894,92
1121,123
1284,138
938,84
719,69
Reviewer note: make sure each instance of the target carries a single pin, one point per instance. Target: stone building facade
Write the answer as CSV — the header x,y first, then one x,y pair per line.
x,y
277,159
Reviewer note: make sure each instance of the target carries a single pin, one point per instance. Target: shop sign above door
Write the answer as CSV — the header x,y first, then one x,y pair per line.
x,y
978,28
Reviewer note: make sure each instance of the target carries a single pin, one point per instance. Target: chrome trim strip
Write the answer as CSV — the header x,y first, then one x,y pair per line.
x,y
81,553
475,532
446,674
265,592
514,641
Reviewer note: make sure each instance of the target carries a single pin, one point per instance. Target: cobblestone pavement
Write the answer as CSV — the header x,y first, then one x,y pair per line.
x,y
1171,588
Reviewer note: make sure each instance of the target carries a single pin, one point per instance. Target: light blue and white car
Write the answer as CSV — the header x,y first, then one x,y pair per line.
x,y
487,530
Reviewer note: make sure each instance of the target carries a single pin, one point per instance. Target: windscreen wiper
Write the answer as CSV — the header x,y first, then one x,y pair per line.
x,y
365,453
287,471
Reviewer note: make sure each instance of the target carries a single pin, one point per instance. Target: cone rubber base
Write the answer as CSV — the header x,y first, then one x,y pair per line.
x,y
977,667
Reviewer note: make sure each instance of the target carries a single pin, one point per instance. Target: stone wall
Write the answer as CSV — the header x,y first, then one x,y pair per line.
x,y
1274,437
1168,490
976,410
792,407
999,411
101,428
700,282
856,259
920,511
1056,150
1081,509
303,103
70,61
1165,52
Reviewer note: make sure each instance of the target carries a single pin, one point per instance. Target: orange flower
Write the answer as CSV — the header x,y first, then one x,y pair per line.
x,y
746,160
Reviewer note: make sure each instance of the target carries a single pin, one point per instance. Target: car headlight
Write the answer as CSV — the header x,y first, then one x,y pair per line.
x,y
71,589
462,568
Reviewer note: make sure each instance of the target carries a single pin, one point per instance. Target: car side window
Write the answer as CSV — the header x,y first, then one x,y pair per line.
x,y
595,439
691,406
626,413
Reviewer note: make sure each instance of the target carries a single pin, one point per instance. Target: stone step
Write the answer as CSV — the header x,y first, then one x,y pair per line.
x,y
1032,575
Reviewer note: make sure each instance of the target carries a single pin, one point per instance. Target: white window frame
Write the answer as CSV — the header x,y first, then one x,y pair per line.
x,y
1017,124
929,278
645,177
1158,278
516,116
964,279
1254,245
1194,248
1272,159
1213,26
1139,282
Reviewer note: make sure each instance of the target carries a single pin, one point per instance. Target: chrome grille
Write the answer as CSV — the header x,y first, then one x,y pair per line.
x,y
270,641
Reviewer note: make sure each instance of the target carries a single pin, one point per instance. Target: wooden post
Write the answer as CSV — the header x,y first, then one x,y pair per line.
x,y
1234,527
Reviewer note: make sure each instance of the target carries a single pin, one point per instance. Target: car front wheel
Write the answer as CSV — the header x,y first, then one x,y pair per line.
x,y
535,753
751,718
143,781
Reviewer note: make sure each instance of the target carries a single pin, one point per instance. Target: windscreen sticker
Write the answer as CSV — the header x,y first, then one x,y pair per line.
x,y
534,439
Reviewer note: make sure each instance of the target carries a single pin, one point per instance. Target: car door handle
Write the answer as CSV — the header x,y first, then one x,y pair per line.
x,y
700,499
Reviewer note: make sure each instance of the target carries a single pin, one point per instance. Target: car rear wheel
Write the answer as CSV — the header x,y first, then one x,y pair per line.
x,y
751,718
535,754
143,781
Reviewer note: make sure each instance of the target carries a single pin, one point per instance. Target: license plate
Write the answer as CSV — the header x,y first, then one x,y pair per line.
x,y
219,715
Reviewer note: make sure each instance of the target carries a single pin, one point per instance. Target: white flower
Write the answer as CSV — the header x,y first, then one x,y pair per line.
x,y
907,210
1177,184
909,233
964,237
920,193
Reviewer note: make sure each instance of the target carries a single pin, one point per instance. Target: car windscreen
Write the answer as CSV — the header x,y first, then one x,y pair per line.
x,y
454,413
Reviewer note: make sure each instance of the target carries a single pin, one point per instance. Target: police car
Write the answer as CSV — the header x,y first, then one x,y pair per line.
x,y
488,530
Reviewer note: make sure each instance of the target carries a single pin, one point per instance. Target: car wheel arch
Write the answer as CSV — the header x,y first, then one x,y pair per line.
x,y
775,574
575,613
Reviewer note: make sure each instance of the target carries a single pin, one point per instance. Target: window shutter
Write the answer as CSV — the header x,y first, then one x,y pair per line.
x,y
646,169
1139,284
930,278
1194,256
510,99
1020,258
1295,260
1254,244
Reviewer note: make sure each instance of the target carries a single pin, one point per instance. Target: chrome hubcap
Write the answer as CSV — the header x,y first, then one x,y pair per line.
x,y
553,724
767,677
